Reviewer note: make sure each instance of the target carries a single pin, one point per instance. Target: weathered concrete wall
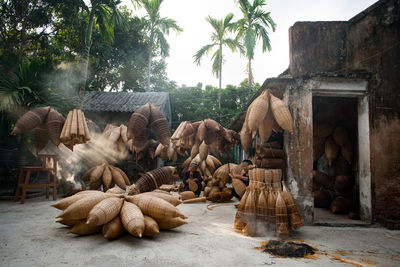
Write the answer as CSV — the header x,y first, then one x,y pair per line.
x,y
373,44
316,47
299,149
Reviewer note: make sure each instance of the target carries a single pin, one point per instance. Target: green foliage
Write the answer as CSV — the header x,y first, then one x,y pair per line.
x,y
195,103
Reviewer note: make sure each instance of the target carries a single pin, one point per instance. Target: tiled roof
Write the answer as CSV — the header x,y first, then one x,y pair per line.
x,y
126,101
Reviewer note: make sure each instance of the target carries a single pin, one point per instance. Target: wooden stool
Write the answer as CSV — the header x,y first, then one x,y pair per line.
x,y
44,163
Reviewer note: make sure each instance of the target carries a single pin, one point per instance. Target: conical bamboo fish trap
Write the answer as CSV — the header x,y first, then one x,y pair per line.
x,y
340,136
113,229
150,227
155,207
239,186
40,137
259,110
170,223
107,178
211,125
193,185
265,127
105,211
159,125
250,214
167,197
84,229
331,150
75,130
201,131
282,221
245,140
187,195
281,113
262,212
271,209
30,120
203,151
69,223
322,130
55,122
295,220
132,219
239,222
347,152
66,202
138,121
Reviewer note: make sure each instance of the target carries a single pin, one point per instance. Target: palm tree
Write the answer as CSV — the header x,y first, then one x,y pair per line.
x,y
157,27
252,27
105,15
219,39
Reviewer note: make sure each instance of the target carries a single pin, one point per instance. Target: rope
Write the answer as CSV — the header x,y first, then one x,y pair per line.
x,y
212,206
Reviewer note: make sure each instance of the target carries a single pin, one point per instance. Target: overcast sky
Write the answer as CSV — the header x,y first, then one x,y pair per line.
x,y
190,15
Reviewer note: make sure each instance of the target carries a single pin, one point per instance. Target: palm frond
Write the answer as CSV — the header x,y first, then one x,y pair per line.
x,y
103,14
217,63
205,50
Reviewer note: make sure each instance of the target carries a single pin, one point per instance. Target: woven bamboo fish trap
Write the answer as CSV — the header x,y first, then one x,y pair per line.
x,y
203,151
105,211
66,202
273,163
245,140
276,178
239,186
170,223
132,219
258,112
159,125
265,152
262,212
271,209
155,207
331,150
138,121
322,130
347,152
318,147
282,220
265,128
30,120
85,229
295,220
40,137
150,227
154,179
106,178
193,185
201,132
55,122
250,214
281,113
75,130
340,136
166,196
239,222
113,229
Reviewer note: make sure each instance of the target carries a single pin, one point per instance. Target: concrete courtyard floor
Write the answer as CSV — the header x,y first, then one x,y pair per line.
x,y
29,236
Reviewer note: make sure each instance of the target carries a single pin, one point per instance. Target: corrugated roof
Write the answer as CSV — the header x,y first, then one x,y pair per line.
x,y
126,101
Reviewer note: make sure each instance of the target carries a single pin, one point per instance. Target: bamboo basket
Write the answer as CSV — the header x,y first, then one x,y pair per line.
x,y
322,130
187,195
295,220
69,223
262,212
318,147
271,210
30,120
66,202
132,219
258,112
203,151
250,214
105,211
159,125
281,113
193,185
150,227
167,197
282,222
106,178
201,132
265,128
85,229
138,121
113,228
245,140
115,190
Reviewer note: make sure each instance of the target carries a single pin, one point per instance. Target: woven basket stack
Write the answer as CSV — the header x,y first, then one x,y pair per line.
x,y
113,213
267,205
75,130
334,183
270,155
106,176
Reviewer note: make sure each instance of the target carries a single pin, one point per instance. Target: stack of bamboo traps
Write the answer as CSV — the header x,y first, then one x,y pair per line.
x,y
75,130
106,176
266,113
194,137
267,205
113,214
